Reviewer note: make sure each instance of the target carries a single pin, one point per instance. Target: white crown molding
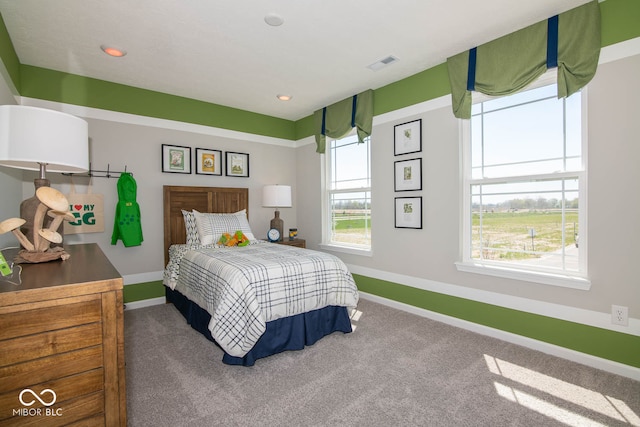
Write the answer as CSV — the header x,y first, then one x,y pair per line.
x,y
620,50
412,110
8,82
115,116
305,141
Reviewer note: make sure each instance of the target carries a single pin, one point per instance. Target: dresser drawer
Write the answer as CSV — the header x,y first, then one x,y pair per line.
x,y
30,347
21,375
28,319
72,394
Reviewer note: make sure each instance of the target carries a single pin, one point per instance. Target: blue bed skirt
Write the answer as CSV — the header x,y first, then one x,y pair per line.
x,y
288,333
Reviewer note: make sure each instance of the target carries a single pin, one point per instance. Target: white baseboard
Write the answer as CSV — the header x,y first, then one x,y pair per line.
x,y
554,350
144,303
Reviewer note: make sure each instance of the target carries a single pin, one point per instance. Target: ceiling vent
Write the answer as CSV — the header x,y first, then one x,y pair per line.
x,y
383,63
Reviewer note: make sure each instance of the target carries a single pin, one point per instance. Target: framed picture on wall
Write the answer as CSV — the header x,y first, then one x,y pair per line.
x,y
407,137
176,159
208,162
408,175
237,164
408,212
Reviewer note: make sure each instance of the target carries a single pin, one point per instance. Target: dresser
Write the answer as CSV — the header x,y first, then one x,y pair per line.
x,y
62,343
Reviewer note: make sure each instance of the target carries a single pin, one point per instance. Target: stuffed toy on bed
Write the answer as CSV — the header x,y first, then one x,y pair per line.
x,y
237,239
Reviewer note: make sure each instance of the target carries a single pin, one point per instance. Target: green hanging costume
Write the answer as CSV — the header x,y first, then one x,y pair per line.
x,y
127,226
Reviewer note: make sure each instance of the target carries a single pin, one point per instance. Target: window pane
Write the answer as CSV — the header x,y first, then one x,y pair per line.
x,y
350,165
351,218
520,212
528,133
349,195
522,137
535,223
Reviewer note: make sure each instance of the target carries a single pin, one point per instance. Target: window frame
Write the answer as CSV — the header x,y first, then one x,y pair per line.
x,y
564,278
327,191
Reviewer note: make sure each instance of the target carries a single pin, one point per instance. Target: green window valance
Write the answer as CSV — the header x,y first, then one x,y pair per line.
x,y
336,120
569,41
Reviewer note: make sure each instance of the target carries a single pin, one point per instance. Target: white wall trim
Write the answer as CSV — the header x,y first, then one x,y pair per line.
x,y
556,311
542,277
620,50
115,116
305,141
554,350
6,80
413,110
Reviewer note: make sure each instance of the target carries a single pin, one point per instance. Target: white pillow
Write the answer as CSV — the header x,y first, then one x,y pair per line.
x,y
212,225
191,227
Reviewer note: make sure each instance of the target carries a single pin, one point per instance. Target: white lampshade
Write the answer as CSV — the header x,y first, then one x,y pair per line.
x,y
31,137
276,196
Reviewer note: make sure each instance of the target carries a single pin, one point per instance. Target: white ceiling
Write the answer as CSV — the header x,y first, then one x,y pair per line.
x,y
223,52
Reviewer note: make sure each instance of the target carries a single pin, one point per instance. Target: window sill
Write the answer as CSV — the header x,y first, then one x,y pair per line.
x,y
346,249
562,280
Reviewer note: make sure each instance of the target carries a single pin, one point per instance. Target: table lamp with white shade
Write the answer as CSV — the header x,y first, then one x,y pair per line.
x,y
276,196
43,140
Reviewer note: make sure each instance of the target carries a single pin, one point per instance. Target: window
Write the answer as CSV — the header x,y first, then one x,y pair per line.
x,y
524,188
348,194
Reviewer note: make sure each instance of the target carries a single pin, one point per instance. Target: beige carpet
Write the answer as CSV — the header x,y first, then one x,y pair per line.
x,y
396,369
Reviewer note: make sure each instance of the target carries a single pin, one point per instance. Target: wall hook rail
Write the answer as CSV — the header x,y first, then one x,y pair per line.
x,y
97,173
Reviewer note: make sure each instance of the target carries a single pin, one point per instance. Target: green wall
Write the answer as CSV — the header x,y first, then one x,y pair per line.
x,y
620,20
143,291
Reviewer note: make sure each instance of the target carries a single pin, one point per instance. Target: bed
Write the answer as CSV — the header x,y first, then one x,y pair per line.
x,y
252,301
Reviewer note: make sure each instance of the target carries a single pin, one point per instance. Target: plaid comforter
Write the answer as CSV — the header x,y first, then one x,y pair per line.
x,y
245,287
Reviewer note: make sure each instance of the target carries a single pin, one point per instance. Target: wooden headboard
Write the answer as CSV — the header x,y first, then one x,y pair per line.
x,y
202,199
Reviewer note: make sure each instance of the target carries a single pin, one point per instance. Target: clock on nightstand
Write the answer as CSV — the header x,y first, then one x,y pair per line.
x,y
273,235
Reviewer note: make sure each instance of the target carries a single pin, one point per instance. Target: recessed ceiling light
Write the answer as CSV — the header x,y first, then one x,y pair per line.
x,y
284,97
274,19
112,51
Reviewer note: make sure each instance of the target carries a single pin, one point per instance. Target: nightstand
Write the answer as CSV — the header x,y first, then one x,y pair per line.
x,y
299,243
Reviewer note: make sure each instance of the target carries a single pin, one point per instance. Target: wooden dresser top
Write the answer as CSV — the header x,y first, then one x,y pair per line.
x,y
86,266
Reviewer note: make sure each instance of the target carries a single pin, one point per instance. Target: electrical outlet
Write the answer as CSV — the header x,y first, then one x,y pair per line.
x,y
620,315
